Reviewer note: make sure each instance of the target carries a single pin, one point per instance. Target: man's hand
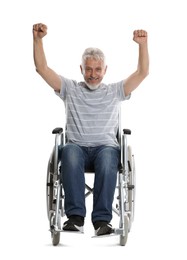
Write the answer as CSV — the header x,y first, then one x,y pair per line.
x,y
39,30
140,36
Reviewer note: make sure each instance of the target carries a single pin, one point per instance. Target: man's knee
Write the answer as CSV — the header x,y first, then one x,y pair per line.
x,y
108,158
71,154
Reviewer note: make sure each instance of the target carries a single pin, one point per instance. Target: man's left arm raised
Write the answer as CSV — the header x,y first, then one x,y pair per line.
x,y
134,80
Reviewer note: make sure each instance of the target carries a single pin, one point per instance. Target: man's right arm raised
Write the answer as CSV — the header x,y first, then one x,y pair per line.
x,y
50,76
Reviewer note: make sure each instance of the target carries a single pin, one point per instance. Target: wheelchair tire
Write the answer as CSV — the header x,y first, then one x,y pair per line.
x,y
49,189
131,191
123,238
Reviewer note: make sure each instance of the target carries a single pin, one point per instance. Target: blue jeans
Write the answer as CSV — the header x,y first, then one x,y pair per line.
x,y
104,160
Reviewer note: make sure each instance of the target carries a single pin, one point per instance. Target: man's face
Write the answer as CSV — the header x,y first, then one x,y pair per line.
x,y
93,72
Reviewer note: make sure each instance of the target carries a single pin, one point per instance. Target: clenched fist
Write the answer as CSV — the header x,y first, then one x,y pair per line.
x,y
140,36
39,30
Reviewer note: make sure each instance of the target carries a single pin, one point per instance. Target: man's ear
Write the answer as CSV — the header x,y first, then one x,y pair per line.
x,y
81,69
106,69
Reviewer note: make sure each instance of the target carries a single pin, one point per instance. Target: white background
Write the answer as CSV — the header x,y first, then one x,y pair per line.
x,y
156,114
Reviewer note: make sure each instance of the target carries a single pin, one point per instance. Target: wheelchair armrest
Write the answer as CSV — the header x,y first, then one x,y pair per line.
x,y
127,131
57,130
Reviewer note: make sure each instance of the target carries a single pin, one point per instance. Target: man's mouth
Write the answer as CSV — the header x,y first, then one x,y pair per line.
x,y
92,79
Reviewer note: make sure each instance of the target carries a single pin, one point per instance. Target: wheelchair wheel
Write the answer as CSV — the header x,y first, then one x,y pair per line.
x,y
123,238
49,188
131,190
55,235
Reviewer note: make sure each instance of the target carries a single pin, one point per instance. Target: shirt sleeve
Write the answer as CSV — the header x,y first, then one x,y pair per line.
x,y
62,93
120,93
66,87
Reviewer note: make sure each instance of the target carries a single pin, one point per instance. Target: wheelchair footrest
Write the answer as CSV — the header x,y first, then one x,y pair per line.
x,y
72,232
103,236
116,232
65,231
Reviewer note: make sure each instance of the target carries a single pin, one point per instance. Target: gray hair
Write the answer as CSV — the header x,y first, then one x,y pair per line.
x,y
93,53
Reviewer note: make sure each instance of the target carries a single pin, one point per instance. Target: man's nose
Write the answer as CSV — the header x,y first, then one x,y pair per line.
x,y
93,74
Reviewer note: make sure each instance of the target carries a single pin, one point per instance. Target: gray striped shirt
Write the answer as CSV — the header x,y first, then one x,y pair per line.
x,y
92,115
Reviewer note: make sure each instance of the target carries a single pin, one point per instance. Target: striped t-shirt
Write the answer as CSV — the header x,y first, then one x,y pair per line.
x,y
92,115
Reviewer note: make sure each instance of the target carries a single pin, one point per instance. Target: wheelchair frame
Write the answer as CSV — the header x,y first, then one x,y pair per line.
x,y
125,189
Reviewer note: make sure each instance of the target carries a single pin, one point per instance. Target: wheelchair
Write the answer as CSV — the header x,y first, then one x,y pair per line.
x,y
125,188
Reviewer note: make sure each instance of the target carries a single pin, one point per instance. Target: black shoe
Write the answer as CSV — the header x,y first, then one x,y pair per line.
x,y
103,228
74,223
